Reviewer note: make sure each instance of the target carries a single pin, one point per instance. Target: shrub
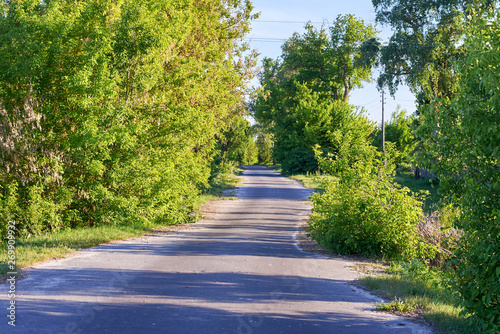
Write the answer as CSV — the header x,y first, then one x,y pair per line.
x,y
438,235
362,211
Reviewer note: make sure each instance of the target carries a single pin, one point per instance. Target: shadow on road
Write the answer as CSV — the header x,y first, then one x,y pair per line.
x,y
179,302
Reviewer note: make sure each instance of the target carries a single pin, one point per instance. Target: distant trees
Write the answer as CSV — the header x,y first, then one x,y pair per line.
x,y
399,132
305,91
110,110
238,143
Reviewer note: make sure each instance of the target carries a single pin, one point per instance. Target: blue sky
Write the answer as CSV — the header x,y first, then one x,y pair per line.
x,y
280,19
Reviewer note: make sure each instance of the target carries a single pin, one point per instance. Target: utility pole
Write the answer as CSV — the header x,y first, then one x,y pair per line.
x,y
383,127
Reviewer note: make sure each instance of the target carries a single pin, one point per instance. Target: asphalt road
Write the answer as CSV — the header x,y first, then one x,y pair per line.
x,y
237,271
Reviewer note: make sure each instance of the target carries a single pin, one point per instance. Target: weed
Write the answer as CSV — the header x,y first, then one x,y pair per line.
x,y
398,305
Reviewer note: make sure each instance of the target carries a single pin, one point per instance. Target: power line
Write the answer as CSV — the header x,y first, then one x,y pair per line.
x,y
266,39
280,40
290,22
365,105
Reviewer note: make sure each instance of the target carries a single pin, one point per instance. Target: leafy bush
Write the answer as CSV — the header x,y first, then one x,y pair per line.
x,y
110,110
461,137
362,211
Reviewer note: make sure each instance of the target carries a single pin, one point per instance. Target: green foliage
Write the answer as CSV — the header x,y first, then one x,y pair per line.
x,y
397,305
398,131
424,46
462,140
362,211
238,143
305,91
110,110
265,149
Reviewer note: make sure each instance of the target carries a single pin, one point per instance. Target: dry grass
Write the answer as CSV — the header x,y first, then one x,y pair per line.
x,y
436,233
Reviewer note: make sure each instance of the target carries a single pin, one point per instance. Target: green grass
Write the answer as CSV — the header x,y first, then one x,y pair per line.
x,y
312,181
397,305
309,180
61,243
406,178
416,287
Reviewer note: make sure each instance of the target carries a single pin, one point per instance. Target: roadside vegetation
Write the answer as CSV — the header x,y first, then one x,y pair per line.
x,y
115,116
412,288
59,244
441,236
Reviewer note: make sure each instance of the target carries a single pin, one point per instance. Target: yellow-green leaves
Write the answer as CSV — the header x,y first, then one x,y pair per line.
x,y
117,103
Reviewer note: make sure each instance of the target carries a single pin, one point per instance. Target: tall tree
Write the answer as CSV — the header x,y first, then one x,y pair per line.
x,y
109,110
465,147
425,44
306,90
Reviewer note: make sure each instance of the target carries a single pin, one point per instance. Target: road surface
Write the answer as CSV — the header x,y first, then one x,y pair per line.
x,y
237,271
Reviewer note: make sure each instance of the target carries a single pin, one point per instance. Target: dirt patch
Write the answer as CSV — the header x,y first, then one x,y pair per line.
x,y
362,264
206,211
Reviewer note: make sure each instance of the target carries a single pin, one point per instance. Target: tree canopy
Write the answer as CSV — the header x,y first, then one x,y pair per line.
x,y
305,91
426,42
110,110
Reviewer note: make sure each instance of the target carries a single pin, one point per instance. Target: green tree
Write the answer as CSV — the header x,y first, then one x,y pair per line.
x,y
110,110
424,46
305,91
265,148
465,151
238,143
399,131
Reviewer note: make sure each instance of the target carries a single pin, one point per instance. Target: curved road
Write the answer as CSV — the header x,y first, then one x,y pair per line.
x,y
239,271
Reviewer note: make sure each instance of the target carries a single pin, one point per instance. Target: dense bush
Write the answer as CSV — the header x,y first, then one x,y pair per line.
x,y
109,110
461,137
363,211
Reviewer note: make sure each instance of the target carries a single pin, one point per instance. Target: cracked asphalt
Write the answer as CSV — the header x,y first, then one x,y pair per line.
x,y
238,271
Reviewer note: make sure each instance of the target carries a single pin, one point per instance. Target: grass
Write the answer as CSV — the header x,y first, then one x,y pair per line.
x,y
427,293
312,181
397,305
61,243
309,180
406,178
58,244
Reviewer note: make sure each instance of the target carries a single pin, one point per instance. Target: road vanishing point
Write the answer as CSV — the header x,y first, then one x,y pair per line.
x,y
239,270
